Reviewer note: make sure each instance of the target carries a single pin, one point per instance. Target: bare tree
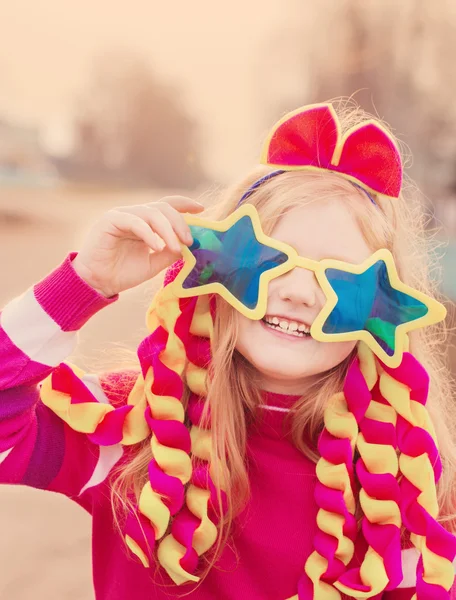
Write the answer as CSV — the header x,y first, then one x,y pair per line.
x,y
132,128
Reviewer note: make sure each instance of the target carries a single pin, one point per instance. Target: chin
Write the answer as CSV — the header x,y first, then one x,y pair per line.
x,y
285,365
278,366
277,371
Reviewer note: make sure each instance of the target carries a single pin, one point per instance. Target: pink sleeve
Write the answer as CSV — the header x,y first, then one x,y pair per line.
x,y
38,330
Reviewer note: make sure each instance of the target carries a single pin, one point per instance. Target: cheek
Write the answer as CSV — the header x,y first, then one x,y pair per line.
x,y
335,353
245,331
250,340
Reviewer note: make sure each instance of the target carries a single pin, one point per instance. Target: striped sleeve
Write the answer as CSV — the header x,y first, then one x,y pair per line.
x,y
38,330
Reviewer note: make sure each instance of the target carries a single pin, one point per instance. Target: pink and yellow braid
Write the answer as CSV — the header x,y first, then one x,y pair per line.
x,y
194,529
396,416
406,389
162,357
334,491
379,496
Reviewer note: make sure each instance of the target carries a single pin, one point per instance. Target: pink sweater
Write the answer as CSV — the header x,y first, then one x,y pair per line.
x,y
272,538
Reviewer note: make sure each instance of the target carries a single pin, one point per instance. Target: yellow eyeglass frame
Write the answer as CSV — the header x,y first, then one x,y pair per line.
x,y
435,310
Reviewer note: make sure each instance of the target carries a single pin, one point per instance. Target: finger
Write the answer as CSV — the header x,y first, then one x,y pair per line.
x,y
178,223
161,225
159,221
182,204
130,223
162,260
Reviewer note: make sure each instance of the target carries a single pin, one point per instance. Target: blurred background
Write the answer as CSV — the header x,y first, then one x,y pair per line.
x,y
105,103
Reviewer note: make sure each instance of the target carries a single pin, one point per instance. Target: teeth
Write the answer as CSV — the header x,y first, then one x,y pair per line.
x,y
291,327
287,331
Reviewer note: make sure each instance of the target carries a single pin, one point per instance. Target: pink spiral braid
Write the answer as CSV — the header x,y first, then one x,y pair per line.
x,y
335,488
377,470
162,359
194,529
406,388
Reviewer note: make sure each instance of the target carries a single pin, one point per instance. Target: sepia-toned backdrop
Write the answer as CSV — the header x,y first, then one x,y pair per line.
x,y
107,103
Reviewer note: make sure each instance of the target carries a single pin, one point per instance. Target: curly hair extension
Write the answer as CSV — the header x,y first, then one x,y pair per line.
x,y
377,470
162,358
194,529
406,389
335,487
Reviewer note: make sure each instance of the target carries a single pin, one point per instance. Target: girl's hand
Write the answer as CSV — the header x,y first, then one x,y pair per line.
x,y
131,244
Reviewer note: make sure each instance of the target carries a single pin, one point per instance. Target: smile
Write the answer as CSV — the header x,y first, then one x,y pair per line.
x,y
289,327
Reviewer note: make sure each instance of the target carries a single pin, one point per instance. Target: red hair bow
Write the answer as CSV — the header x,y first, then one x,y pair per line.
x,y
310,138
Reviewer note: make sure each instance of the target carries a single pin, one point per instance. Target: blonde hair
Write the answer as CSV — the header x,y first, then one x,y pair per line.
x,y
231,397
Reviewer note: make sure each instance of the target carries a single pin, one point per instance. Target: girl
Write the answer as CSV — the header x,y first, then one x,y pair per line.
x,y
274,457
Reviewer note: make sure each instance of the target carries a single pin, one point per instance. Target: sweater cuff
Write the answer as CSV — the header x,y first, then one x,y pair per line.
x,y
67,298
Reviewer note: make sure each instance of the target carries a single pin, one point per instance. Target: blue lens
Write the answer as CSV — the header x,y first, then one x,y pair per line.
x,y
368,302
233,258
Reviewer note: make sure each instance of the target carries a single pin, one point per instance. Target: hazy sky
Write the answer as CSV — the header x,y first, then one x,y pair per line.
x,y
214,49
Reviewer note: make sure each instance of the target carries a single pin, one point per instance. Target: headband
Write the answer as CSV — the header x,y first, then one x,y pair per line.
x,y
310,138
259,182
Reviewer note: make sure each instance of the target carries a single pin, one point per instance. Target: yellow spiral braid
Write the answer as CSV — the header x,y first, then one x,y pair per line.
x,y
377,470
163,360
420,466
334,492
194,532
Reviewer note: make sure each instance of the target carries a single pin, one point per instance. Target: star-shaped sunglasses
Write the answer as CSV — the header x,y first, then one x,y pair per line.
x,y
368,302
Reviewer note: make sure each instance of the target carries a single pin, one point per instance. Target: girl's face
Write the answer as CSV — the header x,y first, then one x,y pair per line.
x,y
286,358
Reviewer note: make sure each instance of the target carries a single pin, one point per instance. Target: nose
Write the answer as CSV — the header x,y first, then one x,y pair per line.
x,y
299,286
